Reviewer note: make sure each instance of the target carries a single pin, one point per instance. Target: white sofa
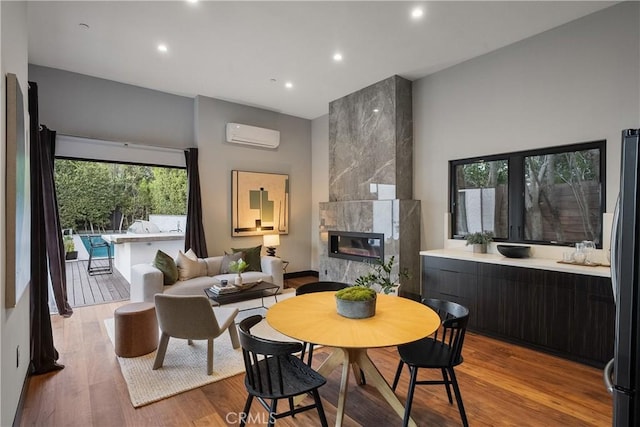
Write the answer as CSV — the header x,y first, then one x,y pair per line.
x,y
147,280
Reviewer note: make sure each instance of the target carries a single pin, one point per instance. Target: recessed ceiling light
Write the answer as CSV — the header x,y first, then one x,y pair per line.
x,y
375,110
417,13
337,57
83,26
163,48
288,85
192,1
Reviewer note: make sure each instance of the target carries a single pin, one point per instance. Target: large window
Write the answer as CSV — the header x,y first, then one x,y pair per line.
x,y
101,196
547,196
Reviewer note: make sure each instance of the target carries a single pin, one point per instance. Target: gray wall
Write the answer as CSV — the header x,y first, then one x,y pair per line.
x,y
14,322
576,83
181,123
80,105
218,158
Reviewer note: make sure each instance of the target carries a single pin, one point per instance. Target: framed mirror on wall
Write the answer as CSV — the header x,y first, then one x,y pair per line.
x,y
259,203
18,195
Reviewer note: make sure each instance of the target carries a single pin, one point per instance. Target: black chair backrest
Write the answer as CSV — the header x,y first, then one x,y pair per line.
x,y
320,287
263,358
454,318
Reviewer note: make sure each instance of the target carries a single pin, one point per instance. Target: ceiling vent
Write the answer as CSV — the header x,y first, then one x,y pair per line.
x,y
251,135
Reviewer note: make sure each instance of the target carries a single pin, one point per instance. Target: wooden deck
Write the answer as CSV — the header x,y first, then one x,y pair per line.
x,y
83,289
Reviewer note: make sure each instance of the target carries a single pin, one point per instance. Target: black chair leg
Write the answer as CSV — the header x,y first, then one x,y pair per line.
x,y
293,415
445,378
316,398
412,386
456,390
362,378
245,412
397,377
272,413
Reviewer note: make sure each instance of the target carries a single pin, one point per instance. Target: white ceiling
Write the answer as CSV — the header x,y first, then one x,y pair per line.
x,y
232,50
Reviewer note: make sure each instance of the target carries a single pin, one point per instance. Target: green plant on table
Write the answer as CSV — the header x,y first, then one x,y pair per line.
x,y
356,293
381,276
238,266
479,238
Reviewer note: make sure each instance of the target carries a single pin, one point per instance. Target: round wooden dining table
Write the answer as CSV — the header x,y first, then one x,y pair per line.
x,y
313,318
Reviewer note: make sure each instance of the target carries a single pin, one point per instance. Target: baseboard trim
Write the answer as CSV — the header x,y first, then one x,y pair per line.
x,y
301,274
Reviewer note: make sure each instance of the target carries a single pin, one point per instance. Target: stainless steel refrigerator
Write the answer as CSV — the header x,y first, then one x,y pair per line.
x,y
622,373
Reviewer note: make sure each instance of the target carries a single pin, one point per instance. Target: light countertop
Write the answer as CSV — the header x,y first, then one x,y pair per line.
x,y
141,237
539,263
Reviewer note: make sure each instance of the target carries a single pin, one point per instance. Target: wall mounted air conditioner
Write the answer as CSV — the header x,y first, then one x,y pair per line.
x,y
251,135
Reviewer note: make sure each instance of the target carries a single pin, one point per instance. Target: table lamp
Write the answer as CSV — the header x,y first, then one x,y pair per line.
x,y
269,241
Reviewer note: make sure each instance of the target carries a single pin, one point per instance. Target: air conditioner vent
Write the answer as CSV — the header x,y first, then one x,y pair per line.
x,y
251,135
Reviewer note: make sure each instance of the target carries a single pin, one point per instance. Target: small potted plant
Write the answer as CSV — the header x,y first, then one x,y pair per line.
x,y
70,252
356,302
380,277
479,240
238,267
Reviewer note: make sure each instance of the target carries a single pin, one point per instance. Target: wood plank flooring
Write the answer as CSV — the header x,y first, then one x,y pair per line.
x,y
501,384
84,289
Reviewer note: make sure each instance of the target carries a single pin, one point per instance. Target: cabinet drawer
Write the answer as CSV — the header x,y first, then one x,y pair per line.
x,y
449,283
449,264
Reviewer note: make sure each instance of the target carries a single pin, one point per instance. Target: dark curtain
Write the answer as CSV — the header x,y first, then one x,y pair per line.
x,y
53,235
43,353
194,232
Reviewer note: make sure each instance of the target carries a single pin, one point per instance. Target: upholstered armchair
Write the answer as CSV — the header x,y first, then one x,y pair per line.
x,y
192,318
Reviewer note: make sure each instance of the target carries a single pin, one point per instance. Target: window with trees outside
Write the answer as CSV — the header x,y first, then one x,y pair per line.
x,y
98,196
546,196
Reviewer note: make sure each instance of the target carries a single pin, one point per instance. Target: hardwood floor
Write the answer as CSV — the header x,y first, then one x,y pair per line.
x,y
501,384
84,289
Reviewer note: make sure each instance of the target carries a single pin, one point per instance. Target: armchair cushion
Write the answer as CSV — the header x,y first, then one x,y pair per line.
x,y
251,257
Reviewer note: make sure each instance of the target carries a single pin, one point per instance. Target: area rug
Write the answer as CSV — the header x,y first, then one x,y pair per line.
x,y
185,366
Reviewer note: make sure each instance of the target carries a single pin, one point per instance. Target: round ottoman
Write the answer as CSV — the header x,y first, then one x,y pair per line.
x,y
136,329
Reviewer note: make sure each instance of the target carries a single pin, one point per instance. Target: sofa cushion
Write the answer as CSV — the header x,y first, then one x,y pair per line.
x,y
188,268
227,259
191,255
167,265
251,257
195,286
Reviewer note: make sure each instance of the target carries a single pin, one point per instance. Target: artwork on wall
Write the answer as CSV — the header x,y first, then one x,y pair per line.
x,y
18,194
259,203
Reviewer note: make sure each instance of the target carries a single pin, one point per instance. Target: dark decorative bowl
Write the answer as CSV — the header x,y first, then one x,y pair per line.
x,y
511,251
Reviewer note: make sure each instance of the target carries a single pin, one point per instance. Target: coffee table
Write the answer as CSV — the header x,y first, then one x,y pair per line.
x,y
261,290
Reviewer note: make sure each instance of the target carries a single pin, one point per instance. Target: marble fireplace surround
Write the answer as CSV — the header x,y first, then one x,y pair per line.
x,y
371,179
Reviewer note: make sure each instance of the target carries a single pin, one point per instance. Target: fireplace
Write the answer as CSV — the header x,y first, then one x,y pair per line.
x,y
363,247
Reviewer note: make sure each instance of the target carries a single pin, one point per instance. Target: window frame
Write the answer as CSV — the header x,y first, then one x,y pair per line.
x,y
516,187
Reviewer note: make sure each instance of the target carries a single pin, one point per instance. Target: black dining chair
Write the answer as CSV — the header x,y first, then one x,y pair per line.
x,y
274,373
309,288
442,350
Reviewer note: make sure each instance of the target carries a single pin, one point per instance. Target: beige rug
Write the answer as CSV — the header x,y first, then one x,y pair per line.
x,y
185,366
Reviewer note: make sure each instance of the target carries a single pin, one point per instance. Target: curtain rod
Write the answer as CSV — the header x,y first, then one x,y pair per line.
x,y
123,143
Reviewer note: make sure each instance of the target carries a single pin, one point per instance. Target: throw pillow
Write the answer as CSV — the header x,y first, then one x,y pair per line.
x,y
191,255
188,268
167,265
226,260
251,257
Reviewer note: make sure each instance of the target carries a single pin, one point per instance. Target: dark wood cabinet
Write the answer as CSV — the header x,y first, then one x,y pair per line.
x,y
451,280
571,315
